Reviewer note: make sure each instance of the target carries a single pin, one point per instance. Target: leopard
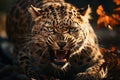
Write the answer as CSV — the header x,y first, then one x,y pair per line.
x,y
53,40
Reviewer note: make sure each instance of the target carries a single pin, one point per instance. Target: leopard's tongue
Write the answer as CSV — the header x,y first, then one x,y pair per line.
x,y
60,55
60,60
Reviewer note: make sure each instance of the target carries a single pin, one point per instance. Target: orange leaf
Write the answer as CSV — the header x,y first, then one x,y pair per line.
x,y
100,10
117,2
113,48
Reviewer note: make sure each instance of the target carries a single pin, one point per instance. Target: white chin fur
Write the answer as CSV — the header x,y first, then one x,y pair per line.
x,y
61,67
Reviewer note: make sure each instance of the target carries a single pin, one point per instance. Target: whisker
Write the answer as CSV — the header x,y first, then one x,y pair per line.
x,y
43,52
27,42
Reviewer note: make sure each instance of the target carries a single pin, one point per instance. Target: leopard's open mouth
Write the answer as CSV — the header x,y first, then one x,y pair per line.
x,y
60,57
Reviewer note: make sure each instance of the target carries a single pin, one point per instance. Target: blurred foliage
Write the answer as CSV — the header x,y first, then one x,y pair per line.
x,y
110,19
4,7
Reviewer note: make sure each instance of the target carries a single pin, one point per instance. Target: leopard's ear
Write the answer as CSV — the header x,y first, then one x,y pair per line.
x,y
34,12
86,12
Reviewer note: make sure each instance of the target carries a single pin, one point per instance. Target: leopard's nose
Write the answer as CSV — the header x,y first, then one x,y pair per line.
x,y
61,44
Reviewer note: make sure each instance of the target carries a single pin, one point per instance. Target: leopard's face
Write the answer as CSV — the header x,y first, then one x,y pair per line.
x,y
62,30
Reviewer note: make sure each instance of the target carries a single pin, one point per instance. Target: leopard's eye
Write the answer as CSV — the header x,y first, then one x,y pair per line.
x,y
73,30
50,29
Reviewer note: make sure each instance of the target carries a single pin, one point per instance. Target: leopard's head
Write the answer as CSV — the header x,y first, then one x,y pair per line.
x,y
63,29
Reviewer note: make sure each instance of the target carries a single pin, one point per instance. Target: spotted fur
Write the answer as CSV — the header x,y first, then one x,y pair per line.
x,y
52,38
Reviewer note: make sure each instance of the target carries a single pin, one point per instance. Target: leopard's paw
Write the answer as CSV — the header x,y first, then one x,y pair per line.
x,y
85,76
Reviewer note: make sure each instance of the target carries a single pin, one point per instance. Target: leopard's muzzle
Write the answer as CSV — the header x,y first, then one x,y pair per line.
x,y
60,49
59,55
